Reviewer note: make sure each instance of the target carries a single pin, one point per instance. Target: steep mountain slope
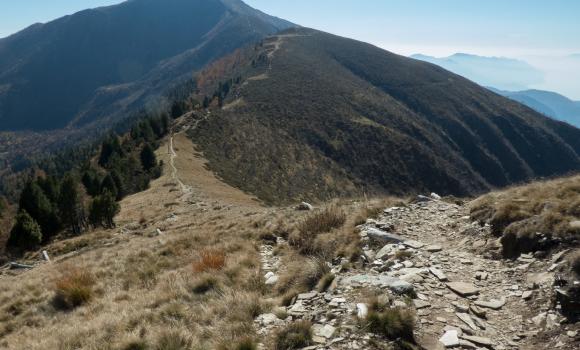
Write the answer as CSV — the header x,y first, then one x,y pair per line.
x,y
549,103
103,62
318,115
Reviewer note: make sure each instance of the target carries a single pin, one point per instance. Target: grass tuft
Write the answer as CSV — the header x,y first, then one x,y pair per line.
x,y
296,335
210,260
395,323
73,288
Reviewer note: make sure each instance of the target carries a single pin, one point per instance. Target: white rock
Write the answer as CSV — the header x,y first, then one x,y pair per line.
x,y
272,280
435,196
450,339
362,311
324,331
304,206
439,274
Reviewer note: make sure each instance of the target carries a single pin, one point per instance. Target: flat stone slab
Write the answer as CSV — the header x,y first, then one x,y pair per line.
x,y
383,237
434,248
394,284
478,340
450,339
467,320
438,273
414,244
463,289
494,304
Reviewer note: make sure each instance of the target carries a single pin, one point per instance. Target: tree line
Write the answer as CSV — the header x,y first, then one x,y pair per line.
x,y
87,194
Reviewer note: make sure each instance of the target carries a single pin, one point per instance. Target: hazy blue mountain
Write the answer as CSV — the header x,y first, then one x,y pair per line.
x,y
102,62
502,73
549,103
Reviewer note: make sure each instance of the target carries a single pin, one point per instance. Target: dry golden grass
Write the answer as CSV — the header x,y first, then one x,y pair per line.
x,y
209,260
73,288
145,292
519,213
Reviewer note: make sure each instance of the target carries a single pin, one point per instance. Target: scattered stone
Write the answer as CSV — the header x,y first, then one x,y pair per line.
x,y
414,244
463,289
307,296
461,307
478,340
466,344
362,311
435,196
467,320
272,280
493,304
481,276
572,334
384,237
267,319
477,311
304,206
450,339
539,319
556,258
323,331
396,285
385,252
438,273
527,295
422,199
420,304
434,248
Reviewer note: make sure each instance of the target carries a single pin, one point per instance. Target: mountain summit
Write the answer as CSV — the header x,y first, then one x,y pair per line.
x,y
95,63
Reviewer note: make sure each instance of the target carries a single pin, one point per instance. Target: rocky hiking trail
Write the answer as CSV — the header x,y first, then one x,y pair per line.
x,y
463,298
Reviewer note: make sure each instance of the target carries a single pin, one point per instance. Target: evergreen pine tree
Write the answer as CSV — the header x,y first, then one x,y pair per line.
x,y
148,158
26,233
103,210
108,185
70,206
38,206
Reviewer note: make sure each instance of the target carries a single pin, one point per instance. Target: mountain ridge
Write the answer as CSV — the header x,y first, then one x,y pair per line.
x,y
133,38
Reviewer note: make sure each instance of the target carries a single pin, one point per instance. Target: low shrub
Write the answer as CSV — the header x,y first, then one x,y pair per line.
x,y
395,323
73,288
173,341
304,237
296,335
210,260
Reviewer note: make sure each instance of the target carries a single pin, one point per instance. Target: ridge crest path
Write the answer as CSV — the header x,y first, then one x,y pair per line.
x,y
491,303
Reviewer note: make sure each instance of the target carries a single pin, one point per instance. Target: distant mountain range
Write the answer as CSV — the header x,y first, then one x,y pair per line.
x,y
316,115
510,78
546,102
101,64
499,72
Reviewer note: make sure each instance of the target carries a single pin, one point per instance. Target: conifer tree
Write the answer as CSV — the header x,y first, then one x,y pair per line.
x,y
72,211
148,158
34,201
103,210
26,233
109,185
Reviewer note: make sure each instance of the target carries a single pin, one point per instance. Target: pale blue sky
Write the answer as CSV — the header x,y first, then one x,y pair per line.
x,y
529,29
436,27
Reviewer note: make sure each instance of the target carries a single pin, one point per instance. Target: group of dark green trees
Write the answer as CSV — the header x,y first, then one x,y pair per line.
x,y
87,195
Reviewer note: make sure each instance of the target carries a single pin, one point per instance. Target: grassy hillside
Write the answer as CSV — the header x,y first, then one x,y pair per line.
x,y
312,115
